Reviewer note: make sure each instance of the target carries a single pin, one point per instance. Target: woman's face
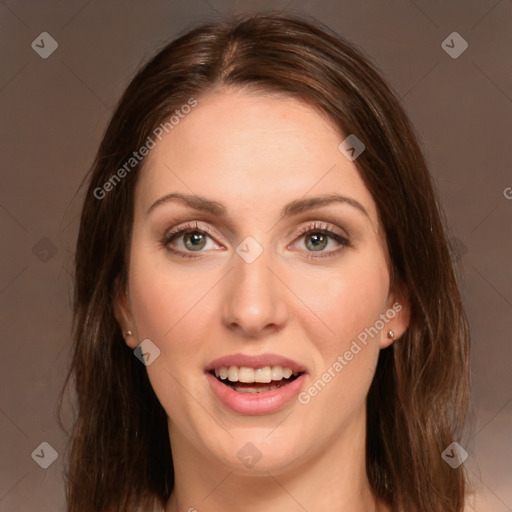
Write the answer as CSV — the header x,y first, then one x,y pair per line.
x,y
269,276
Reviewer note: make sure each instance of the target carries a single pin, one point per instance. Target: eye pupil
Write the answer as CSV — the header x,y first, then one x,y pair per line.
x,y
318,240
192,238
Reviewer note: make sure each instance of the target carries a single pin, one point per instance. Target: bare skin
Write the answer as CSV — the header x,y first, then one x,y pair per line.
x,y
307,301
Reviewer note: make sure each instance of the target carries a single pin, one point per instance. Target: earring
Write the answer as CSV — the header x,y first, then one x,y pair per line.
x,y
128,333
391,335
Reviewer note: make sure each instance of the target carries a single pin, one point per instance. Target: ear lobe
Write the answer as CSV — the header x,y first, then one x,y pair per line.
x,y
124,317
399,316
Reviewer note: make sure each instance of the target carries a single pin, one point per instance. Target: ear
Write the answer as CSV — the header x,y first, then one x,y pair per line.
x,y
397,316
124,315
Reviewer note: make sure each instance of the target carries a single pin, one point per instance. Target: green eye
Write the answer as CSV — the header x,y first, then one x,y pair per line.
x,y
318,241
194,240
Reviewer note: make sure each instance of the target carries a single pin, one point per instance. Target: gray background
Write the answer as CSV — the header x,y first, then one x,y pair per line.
x,y
54,111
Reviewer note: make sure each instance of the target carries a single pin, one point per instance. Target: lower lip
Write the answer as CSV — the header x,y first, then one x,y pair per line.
x,y
266,402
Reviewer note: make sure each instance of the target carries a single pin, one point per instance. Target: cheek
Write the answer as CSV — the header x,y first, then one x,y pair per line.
x,y
169,311
161,293
350,304
165,303
349,299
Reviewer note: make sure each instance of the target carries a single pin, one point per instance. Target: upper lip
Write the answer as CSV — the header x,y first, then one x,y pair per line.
x,y
256,361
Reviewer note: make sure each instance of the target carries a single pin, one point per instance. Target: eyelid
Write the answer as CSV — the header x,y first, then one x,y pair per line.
x,y
190,226
321,226
343,240
314,227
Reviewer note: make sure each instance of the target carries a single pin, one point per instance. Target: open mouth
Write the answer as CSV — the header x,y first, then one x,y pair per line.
x,y
255,380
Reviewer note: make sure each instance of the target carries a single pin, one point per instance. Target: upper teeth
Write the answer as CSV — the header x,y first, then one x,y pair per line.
x,y
245,374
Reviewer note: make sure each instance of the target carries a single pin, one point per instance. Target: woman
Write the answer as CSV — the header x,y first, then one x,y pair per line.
x,y
265,315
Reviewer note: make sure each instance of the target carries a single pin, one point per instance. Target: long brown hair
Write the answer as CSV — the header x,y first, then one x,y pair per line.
x,y
119,452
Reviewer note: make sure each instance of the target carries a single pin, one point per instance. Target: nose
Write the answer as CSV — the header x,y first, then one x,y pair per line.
x,y
254,302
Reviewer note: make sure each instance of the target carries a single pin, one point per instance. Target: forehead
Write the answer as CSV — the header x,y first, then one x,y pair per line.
x,y
253,152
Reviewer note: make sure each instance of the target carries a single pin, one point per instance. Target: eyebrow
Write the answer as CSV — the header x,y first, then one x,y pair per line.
x,y
295,207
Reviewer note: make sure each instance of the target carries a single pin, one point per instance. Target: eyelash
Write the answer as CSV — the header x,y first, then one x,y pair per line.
x,y
316,227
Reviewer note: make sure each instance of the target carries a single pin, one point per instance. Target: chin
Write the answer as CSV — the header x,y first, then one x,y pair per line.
x,y
255,452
